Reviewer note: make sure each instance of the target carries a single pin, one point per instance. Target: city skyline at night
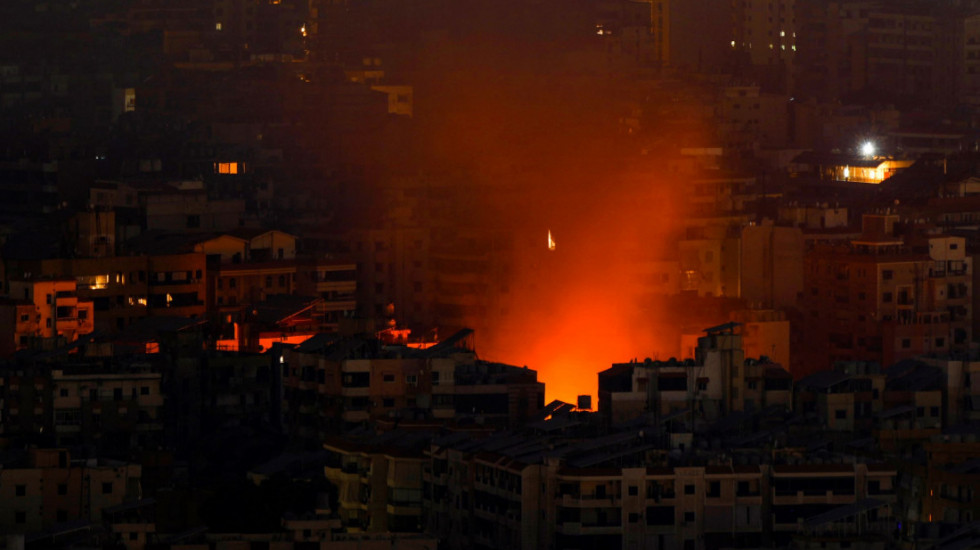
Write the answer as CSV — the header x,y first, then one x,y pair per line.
x,y
446,274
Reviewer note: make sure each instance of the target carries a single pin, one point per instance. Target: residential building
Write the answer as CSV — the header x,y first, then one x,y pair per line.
x,y
46,487
884,298
332,382
379,482
717,381
57,315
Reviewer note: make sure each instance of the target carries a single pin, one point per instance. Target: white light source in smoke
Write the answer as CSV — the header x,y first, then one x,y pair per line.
x,y
868,149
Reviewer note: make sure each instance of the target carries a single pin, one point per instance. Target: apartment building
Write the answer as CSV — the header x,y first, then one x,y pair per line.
x,y
332,382
717,381
379,482
45,309
109,405
46,487
884,298
534,491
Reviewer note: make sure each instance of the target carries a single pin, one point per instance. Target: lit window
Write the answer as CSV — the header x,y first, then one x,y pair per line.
x,y
217,26
226,167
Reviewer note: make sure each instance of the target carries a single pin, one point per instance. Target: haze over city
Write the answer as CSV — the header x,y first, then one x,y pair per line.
x,y
537,274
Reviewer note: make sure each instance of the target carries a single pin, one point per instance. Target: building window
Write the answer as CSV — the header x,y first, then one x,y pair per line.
x,y
906,343
20,516
193,221
106,487
62,488
144,390
887,274
63,392
633,490
934,412
117,394
840,414
634,517
689,489
688,516
388,377
62,516
388,402
20,490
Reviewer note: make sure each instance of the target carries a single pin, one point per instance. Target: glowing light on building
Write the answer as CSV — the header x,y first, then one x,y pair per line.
x,y
97,282
868,149
302,30
551,242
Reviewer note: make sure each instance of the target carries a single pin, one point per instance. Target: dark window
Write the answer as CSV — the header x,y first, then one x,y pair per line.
x,y
20,490
714,489
840,414
689,489
62,488
62,516
106,487
20,517
633,490
117,394
388,402
634,517
688,516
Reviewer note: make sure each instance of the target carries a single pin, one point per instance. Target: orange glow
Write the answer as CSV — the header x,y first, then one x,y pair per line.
x,y
614,198
573,314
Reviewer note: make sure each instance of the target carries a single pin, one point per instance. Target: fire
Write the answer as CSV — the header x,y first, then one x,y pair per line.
x,y
572,315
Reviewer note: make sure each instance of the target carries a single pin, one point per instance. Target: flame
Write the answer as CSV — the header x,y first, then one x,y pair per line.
x,y
551,242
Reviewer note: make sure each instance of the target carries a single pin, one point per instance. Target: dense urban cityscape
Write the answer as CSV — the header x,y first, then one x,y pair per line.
x,y
489,274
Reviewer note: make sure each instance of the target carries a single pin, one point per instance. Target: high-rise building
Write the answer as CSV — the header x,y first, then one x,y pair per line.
x,y
764,39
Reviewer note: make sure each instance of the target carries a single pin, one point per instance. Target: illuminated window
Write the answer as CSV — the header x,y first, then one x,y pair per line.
x,y
217,26
226,167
